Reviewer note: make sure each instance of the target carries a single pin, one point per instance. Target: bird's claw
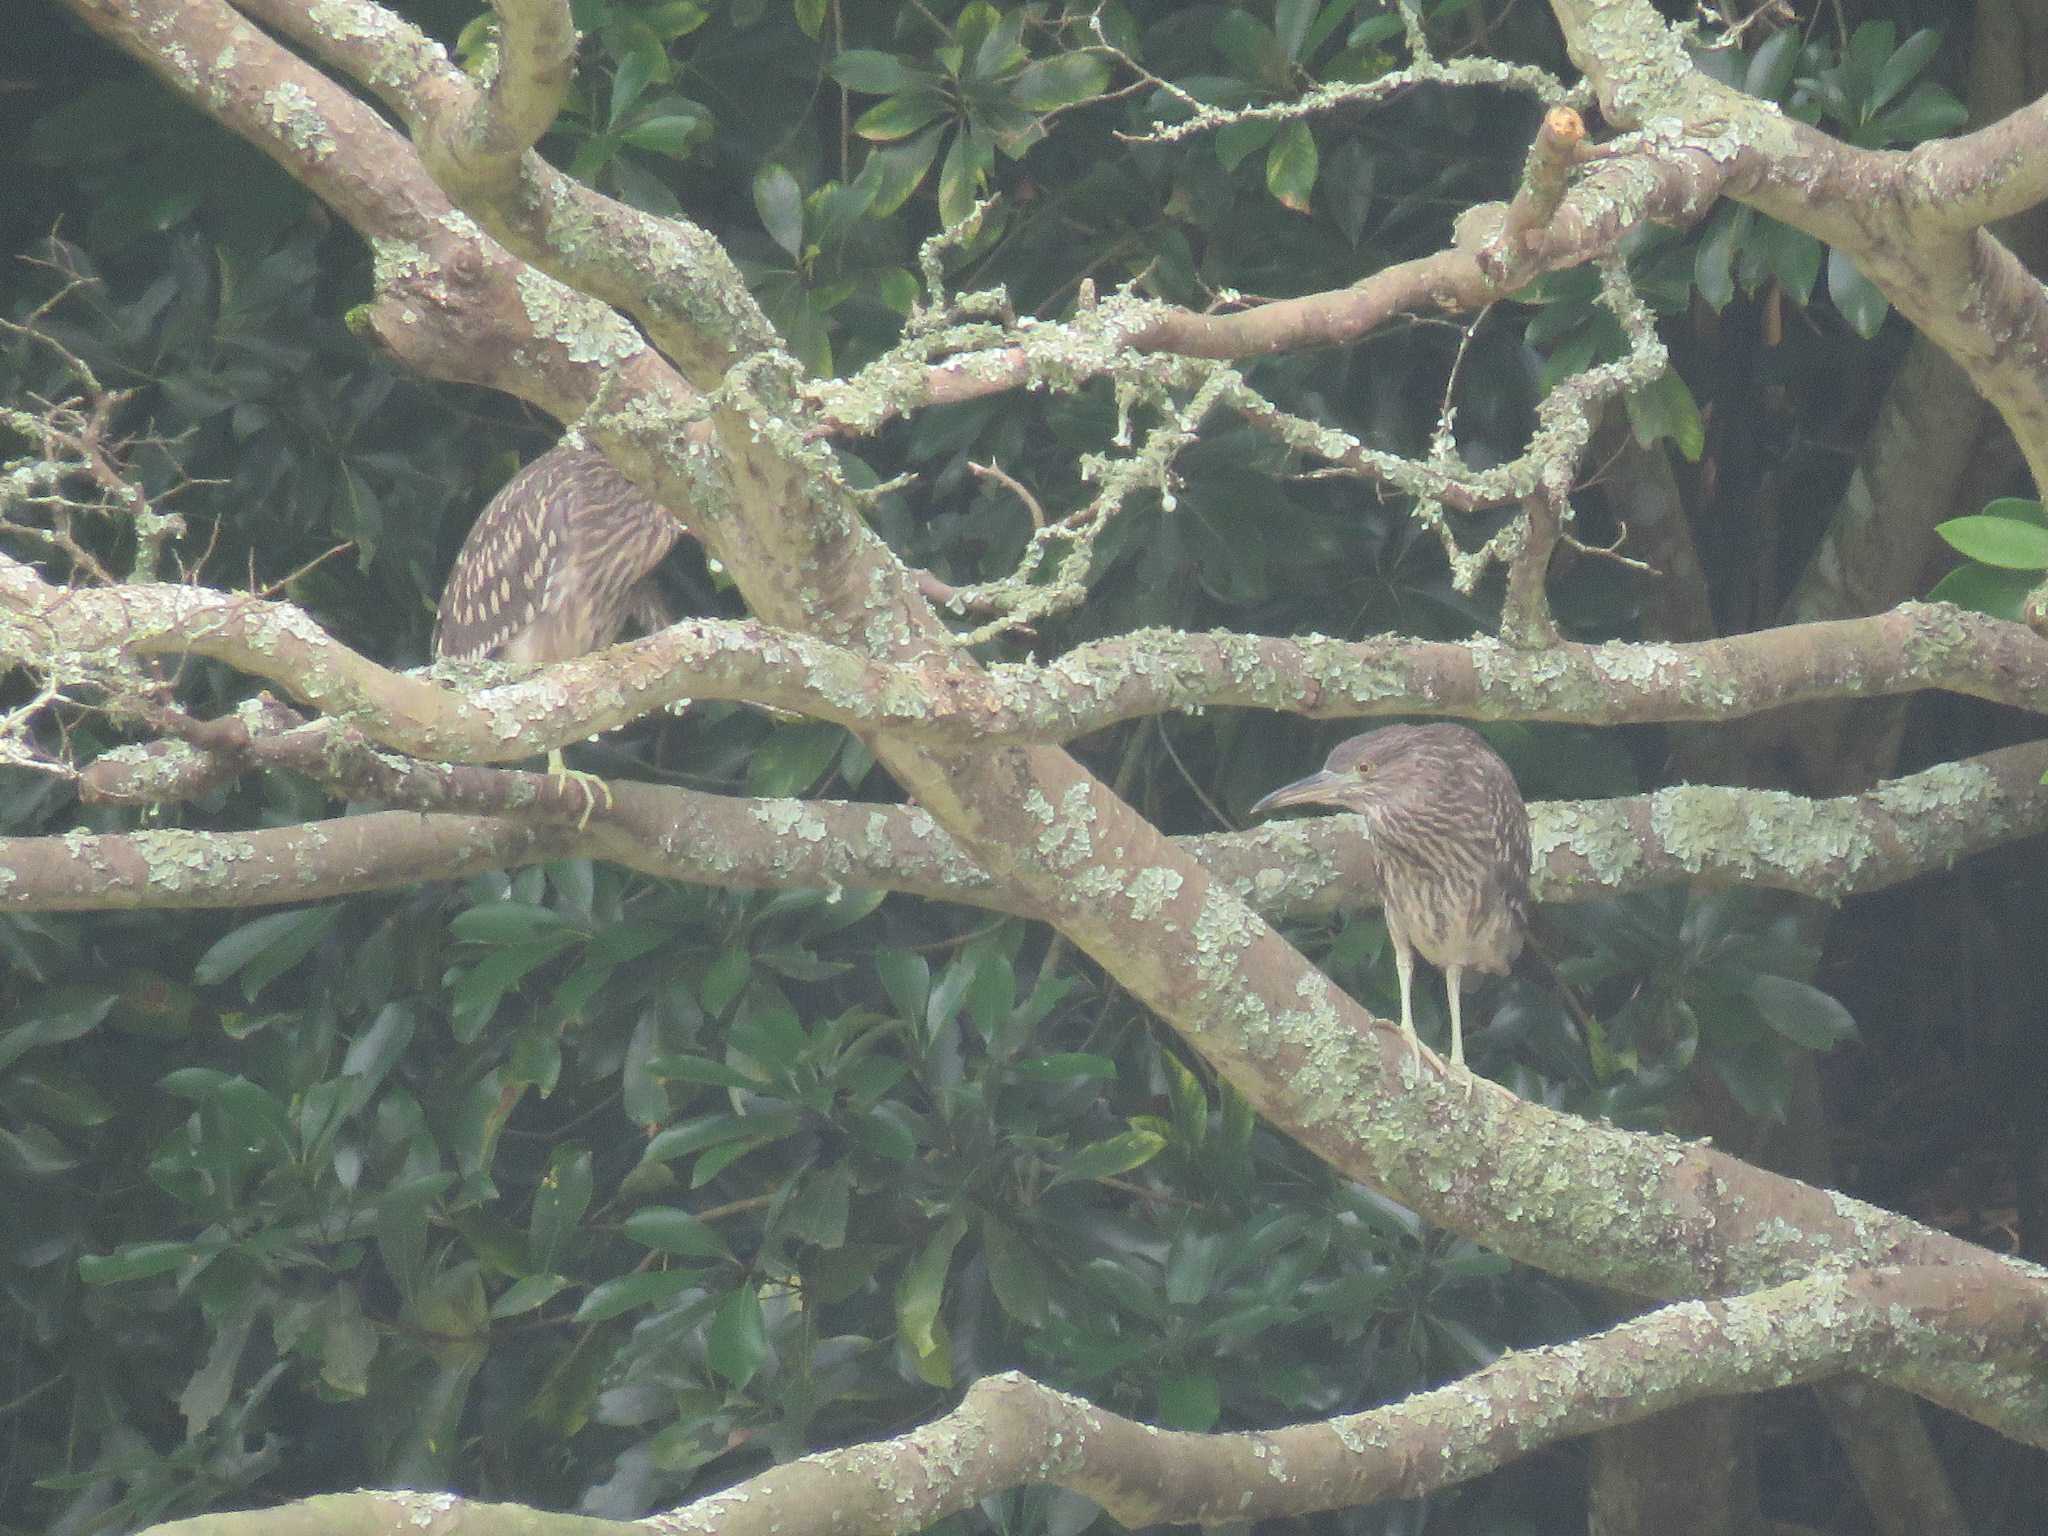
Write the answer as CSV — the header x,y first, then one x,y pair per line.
x,y
595,790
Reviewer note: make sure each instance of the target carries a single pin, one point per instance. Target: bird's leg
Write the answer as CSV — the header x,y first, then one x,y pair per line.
x,y
1453,975
1404,967
595,790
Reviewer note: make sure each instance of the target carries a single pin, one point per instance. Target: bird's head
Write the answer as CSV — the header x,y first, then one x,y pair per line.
x,y
1366,771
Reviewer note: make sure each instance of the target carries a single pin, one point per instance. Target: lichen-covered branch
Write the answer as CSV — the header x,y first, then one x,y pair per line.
x,y
480,818
1914,222
58,631
1011,1432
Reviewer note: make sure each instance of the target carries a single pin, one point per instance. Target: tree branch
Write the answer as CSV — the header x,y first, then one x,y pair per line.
x,y
1010,1432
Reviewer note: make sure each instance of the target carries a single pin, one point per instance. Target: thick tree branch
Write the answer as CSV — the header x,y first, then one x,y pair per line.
x,y
1010,1432
1915,646
492,819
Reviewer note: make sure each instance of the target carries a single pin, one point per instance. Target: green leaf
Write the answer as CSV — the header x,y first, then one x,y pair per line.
x,y
139,1261
505,922
59,1015
1713,264
1291,22
1020,1282
639,68
923,1286
701,1069
1190,1102
265,949
875,74
962,175
726,979
1859,300
907,978
737,1343
817,1212
1105,1159
992,995
1066,1067
670,1230
674,134
253,1115
882,1134
1794,256
527,1295
1756,1073
1771,67
710,1130
1235,141
1059,81
1905,62
944,1000
898,117
558,1206
1291,166
1666,408
1928,113
348,1345
2024,509
631,1292
1986,590
780,202
1802,1014
2005,542
793,759
1192,1402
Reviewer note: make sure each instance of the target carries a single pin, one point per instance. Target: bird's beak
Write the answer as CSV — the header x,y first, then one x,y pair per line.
x,y
1319,788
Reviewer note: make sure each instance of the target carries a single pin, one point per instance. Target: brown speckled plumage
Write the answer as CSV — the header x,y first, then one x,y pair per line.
x,y
556,563
1451,838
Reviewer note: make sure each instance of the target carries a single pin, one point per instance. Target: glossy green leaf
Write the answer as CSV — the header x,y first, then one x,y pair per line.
x,y
529,1294
701,1069
921,1291
898,117
1066,1067
1190,1402
669,1230
629,1293
1859,300
1106,1159
907,978
558,1206
140,1261
506,922
1291,166
1986,589
1802,1014
877,74
1019,1280
737,1344
2006,542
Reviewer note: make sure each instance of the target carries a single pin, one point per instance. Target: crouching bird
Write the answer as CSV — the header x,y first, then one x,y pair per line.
x,y
1451,837
553,568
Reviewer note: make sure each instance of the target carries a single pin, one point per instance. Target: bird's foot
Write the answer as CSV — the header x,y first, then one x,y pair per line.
x,y
595,791
1416,1052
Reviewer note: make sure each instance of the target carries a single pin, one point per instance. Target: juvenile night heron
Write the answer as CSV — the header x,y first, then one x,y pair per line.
x,y
1451,838
557,563
553,568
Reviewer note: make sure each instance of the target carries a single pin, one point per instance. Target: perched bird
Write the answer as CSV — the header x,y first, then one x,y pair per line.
x,y
555,566
1451,838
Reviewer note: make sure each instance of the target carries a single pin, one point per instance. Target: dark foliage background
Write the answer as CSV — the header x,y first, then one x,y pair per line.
x,y
564,1186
